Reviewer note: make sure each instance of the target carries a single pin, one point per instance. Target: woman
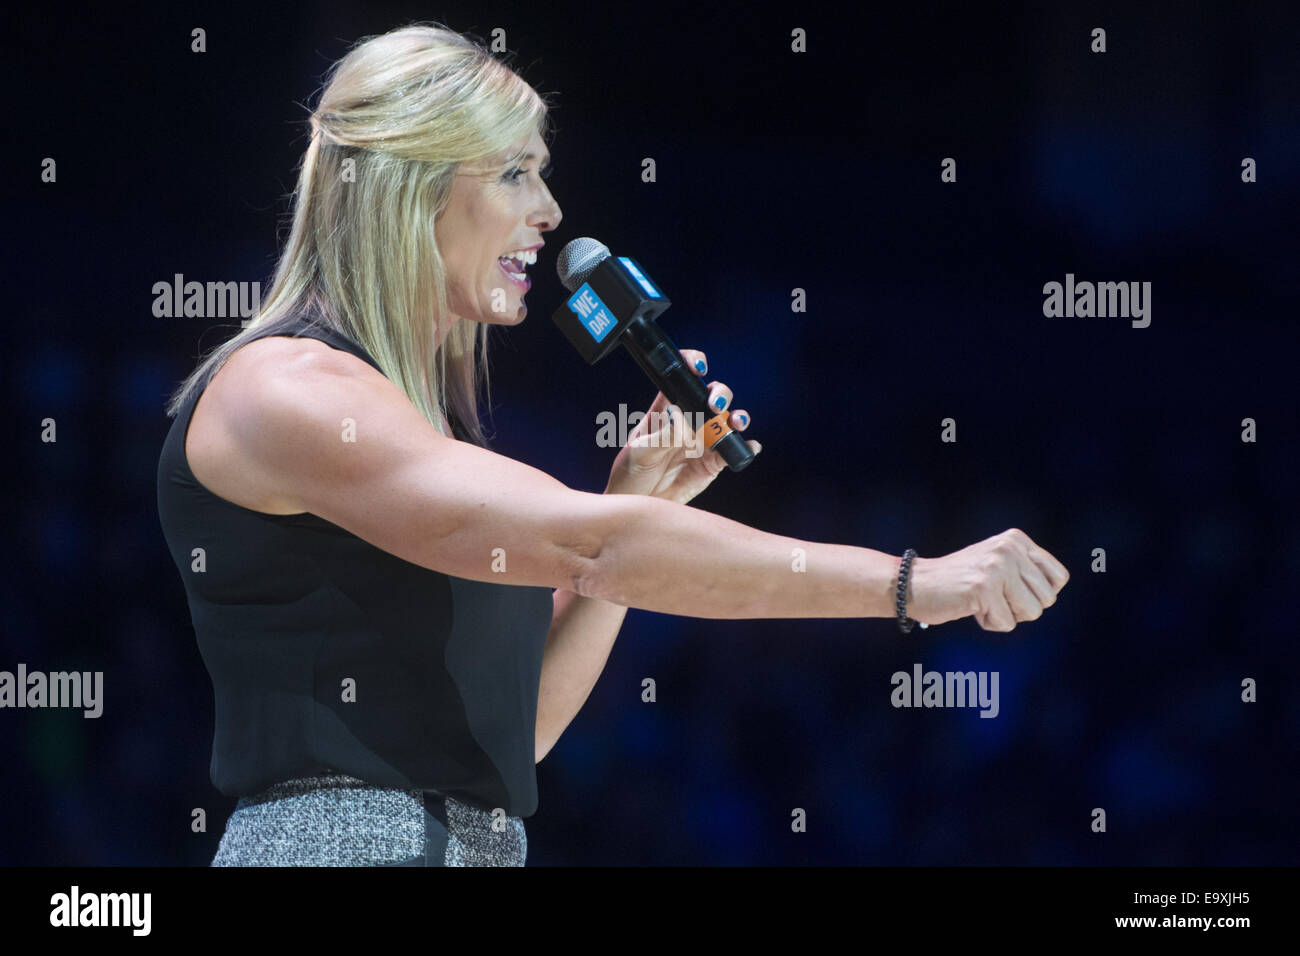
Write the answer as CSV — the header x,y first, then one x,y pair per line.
x,y
398,622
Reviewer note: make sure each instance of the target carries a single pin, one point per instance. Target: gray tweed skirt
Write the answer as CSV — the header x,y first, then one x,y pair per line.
x,y
337,820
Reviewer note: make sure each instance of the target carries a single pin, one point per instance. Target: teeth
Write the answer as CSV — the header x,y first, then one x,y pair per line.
x,y
527,256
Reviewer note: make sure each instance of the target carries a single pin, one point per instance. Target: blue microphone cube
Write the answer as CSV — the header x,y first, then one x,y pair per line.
x,y
615,294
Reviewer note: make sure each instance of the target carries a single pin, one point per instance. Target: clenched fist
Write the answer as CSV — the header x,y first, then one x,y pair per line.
x,y
1003,581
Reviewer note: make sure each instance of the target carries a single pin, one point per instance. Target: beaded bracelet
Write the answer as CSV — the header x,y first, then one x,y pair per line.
x,y
905,623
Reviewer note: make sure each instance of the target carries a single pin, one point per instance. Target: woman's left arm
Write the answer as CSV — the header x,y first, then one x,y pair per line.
x,y
658,461
582,634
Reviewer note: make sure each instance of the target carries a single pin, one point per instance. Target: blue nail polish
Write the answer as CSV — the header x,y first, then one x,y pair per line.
x,y
721,401
744,419
699,364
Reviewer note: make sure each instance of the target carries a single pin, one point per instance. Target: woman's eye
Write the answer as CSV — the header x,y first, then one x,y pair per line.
x,y
514,174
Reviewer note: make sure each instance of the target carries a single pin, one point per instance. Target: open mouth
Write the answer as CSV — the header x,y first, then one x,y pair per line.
x,y
515,272
513,265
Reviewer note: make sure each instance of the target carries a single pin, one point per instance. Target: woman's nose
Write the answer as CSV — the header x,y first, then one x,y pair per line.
x,y
552,218
553,214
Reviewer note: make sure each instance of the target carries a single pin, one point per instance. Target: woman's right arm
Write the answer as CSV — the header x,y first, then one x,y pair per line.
x,y
322,431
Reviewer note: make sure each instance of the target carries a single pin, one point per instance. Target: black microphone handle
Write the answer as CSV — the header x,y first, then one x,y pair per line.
x,y
659,358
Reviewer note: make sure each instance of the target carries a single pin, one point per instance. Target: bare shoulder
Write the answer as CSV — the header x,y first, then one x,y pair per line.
x,y
279,359
294,426
264,395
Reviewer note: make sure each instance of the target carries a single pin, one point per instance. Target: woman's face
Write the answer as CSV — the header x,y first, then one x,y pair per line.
x,y
494,211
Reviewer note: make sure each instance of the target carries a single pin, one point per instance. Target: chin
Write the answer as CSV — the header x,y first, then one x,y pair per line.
x,y
500,318
510,317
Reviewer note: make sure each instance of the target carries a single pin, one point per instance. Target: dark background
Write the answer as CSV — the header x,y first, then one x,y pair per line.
x,y
775,171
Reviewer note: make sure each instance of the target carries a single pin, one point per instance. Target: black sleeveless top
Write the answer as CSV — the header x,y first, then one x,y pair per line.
x,y
327,653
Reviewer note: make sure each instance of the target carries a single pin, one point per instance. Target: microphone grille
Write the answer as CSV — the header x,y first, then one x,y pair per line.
x,y
579,259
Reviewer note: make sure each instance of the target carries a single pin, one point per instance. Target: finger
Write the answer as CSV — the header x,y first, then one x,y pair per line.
x,y
1021,600
695,361
1037,582
998,615
739,419
719,393
673,423
658,405
651,420
1053,570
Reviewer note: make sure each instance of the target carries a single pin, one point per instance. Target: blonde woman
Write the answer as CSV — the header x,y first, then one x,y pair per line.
x,y
398,622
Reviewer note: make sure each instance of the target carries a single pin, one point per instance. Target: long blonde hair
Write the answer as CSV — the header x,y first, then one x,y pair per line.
x,y
397,117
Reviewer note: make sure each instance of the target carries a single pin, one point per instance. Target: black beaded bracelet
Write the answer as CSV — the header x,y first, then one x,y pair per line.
x,y
905,623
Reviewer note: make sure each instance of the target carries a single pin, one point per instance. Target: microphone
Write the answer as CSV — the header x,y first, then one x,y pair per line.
x,y
614,303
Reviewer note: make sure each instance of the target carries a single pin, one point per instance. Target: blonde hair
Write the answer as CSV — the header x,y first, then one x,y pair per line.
x,y
402,111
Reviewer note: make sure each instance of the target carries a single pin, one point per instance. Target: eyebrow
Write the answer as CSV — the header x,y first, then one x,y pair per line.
x,y
527,157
